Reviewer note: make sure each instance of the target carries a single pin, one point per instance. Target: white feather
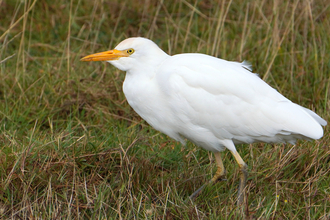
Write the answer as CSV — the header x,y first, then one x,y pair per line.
x,y
212,102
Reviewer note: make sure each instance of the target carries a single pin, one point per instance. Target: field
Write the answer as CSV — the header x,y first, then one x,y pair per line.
x,y
72,148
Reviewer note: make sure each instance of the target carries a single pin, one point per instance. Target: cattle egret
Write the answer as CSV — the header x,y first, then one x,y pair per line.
x,y
212,102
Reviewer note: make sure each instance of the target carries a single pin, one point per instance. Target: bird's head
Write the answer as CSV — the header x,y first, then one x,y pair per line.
x,y
131,53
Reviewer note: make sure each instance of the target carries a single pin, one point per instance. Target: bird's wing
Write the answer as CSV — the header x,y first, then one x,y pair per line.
x,y
226,99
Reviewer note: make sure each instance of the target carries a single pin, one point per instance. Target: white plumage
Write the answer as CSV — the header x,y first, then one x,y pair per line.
x,y
209,101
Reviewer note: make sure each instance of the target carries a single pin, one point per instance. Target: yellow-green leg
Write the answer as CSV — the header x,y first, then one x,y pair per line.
x,y
243,177
219,175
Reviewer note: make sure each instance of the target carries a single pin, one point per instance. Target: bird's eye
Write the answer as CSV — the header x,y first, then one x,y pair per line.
x,y
130,51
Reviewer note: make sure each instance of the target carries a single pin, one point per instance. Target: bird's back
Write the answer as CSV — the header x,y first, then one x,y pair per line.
x,y
213,99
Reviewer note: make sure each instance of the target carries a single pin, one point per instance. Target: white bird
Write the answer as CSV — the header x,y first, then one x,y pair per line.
x,y
212,102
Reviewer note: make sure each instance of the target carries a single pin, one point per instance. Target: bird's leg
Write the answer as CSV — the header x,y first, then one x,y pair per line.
x,y
243,177
219,175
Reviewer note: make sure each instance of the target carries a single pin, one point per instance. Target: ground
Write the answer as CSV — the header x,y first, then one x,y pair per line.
x,y
72,148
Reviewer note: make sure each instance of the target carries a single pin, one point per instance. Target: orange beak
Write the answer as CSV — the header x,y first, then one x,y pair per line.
x,y
105,56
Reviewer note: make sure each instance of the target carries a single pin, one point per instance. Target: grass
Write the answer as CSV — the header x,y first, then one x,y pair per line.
x,y
72,148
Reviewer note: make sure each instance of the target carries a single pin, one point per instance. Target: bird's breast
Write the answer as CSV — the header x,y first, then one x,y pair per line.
x,y
145,97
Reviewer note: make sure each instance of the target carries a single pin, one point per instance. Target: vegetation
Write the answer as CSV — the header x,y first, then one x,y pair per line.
x,y
72,148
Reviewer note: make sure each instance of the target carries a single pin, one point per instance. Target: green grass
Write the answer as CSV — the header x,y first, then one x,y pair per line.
x,y
72,148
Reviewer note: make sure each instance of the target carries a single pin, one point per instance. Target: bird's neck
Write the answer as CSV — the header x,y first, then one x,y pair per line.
x,y
147,68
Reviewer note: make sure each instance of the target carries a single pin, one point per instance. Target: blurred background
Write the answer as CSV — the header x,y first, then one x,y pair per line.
x,y
71,147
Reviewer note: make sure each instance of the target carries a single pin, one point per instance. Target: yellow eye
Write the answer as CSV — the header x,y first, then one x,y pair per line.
x,y
130,51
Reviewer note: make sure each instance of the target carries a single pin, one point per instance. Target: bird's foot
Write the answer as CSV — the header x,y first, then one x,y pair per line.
x,y
218,179
199,190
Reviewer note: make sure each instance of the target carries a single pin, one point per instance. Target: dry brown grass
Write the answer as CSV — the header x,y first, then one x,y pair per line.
x,y
72,148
